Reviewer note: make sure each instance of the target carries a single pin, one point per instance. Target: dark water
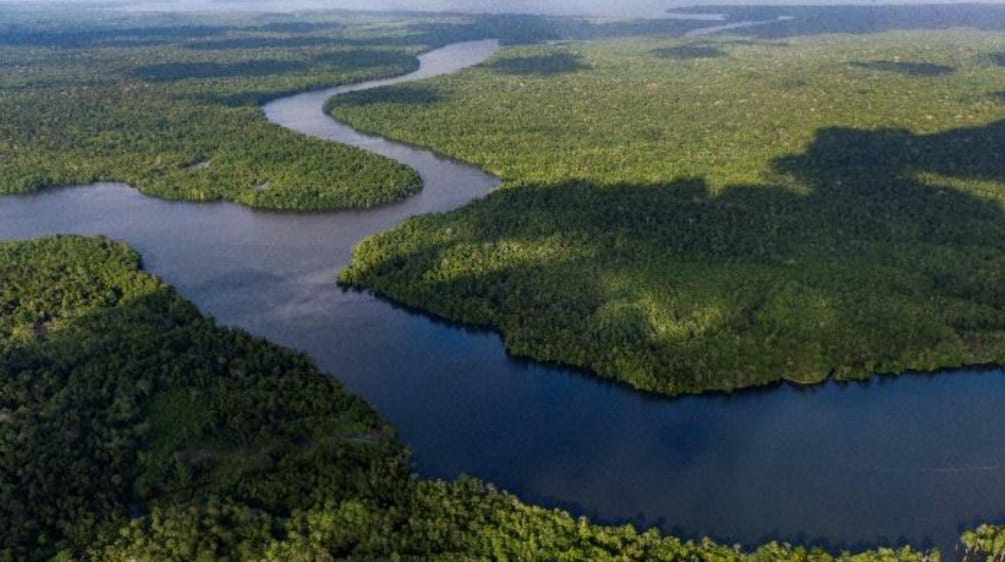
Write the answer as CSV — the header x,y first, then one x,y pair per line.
x,y
911,457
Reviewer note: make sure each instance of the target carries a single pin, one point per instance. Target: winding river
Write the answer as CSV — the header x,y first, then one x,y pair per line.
x,y
900,458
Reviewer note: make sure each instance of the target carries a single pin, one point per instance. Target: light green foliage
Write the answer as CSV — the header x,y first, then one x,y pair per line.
x,y
987,542
173,111
169,103
716,214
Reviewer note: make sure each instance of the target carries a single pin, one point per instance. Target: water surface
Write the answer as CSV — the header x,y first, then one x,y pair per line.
x,y
906,458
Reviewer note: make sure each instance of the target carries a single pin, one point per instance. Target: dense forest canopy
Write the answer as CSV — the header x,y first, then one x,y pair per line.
x,y
133,428
150,105
169,103
678,215
715,213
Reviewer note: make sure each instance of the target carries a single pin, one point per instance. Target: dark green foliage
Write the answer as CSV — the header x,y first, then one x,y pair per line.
x,y
859,19
912,68
712,223
181,70
358,59
692,51
118,397
987,542
70,38
260,42
405,94
541,65
133,428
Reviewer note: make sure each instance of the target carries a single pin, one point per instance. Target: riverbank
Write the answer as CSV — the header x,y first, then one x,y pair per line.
x,y
191,441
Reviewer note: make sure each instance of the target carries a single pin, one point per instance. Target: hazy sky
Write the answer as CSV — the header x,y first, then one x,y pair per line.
x,y
649,8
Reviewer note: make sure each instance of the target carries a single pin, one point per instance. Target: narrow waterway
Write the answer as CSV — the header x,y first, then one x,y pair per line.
x,y
906,458
712,30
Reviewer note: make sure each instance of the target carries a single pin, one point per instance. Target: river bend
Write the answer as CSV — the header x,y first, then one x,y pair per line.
x,y
906,458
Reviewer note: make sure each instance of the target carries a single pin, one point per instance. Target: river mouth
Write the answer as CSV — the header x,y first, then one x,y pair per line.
x,y
908,458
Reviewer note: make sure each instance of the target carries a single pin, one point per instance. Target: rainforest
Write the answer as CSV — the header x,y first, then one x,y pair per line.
x,y
233,329
134,428
714,214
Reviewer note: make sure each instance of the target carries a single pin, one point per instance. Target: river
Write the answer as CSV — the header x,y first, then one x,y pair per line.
x,y
900,458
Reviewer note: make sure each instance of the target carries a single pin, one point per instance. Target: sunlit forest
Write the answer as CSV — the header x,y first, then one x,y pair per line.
x,y
715,213
169,103
172,111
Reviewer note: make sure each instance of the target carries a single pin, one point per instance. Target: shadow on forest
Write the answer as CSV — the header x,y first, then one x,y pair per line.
x,y
689,52
539,65
241,99
998,58
130,36
508,28
513,29
160,35
295,26
364,58
870,238
517,29
911,68
262,43
401,94
817,20
585,29
167,71
344,61
754,43
862,186
173,403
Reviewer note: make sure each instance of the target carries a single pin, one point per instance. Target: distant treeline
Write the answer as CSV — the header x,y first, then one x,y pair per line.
x,y
817,20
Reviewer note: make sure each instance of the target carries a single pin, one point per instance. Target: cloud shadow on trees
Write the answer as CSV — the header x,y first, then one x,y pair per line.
x,y
399,95
122,37
680,288
689,52
819,20
364,58
910,68
159,407
999,58
261,43
344,61
296,26
539,65
168,71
